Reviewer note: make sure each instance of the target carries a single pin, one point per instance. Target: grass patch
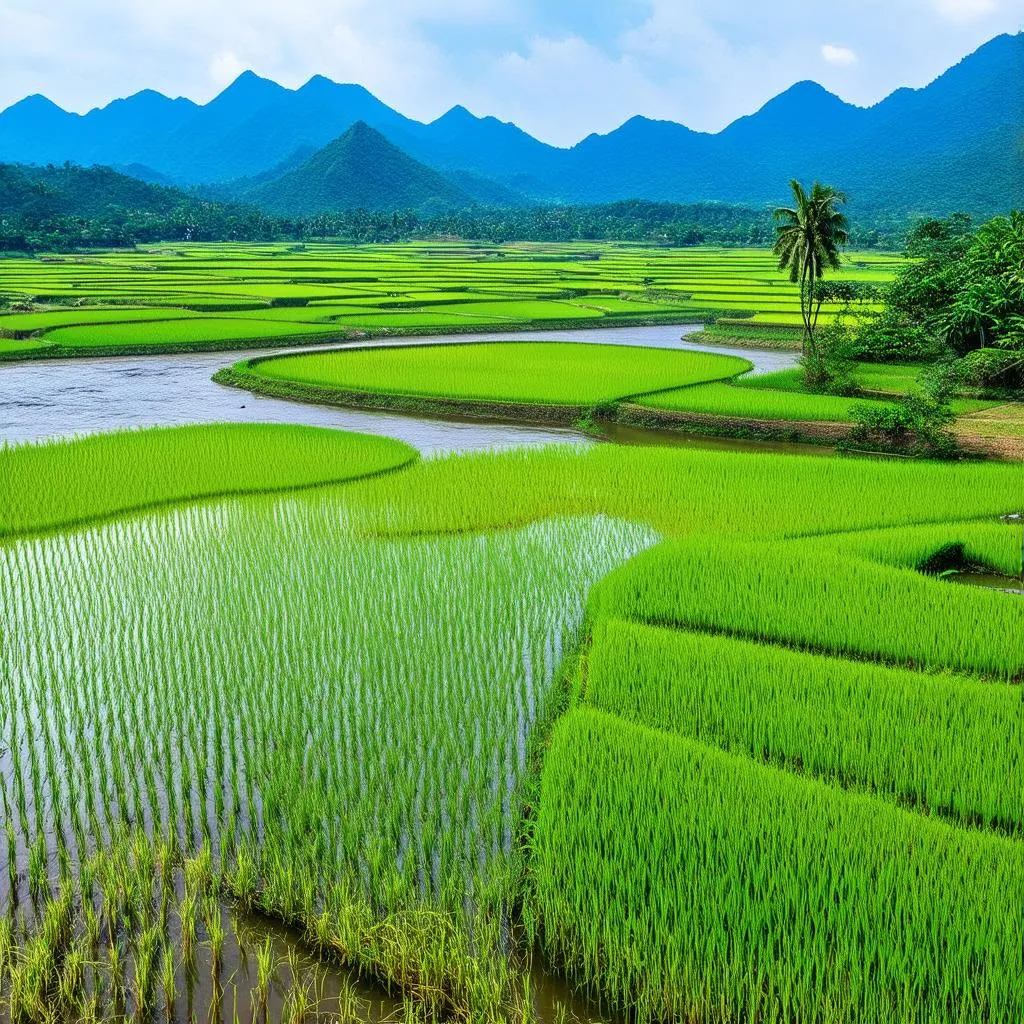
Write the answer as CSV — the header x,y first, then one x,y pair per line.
x,y
520,373
63,482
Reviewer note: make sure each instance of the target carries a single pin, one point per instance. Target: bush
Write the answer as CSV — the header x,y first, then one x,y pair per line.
x,y
916,424
892,338
990,369
828,367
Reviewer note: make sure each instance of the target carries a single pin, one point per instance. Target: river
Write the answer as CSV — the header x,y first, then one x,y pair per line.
x,y
50,398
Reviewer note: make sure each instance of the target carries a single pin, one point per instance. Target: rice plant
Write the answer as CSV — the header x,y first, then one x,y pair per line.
x,y
336,736
60,483
942,744
694,884
544,373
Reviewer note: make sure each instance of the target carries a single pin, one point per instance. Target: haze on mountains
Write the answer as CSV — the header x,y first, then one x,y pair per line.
x,y
957,144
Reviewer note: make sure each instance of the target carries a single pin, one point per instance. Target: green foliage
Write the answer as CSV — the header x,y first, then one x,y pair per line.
x,y
989,369
916,423
62,482
60,209
987,309
894,336
359,170
828,366
961,290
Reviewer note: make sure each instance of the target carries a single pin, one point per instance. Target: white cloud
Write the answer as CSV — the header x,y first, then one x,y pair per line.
x,y
563,89
225,68
966,10
842,56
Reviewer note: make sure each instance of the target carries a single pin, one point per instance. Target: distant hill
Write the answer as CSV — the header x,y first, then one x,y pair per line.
x,y
358,170
953,144
71,208
38,193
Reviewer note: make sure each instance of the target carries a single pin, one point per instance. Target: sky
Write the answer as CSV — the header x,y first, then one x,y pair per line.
x,y
561,69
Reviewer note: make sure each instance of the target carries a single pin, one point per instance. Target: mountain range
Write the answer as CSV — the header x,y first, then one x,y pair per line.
x,y
956,144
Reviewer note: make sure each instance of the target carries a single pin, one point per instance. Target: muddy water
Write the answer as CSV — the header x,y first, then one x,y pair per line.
x,y
990,581
60,398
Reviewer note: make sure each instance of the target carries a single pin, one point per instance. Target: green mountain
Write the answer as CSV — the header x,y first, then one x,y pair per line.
x,y
358,170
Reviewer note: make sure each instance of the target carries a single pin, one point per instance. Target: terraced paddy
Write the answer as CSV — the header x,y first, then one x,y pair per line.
x,y
189,297
647,714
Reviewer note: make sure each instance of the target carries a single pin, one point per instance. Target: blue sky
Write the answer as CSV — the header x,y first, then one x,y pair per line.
x,y
559,68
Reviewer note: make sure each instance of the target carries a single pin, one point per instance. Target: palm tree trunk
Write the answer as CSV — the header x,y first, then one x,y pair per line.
x,y
811,281
807,345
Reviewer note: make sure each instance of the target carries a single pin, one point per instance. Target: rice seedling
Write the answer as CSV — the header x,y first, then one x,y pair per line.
x,y
147,950
266,971
688,882
938,743
815,600
214,933
682,492
168,982
6,946
521,373
754,403
187,910
330,707
60,483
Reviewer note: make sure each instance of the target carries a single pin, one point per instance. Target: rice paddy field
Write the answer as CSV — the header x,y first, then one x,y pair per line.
x,y
517,373
575,383
703,736
186,297
296,725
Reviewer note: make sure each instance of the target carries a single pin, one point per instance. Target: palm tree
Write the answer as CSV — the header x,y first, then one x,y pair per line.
x,y
808,239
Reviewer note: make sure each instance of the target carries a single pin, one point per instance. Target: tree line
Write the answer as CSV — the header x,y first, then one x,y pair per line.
x,y
66,208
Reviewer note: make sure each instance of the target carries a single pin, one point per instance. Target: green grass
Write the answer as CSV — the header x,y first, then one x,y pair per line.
x,y
698,885
63,482
182,332
516,373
